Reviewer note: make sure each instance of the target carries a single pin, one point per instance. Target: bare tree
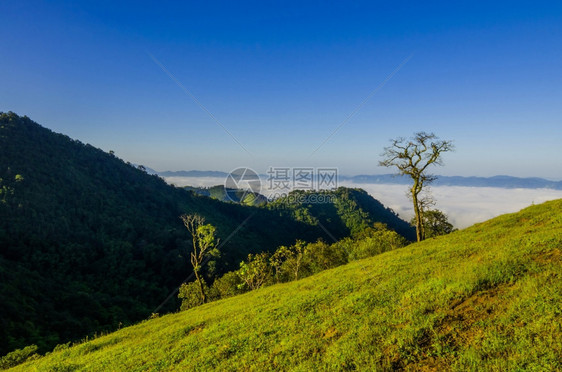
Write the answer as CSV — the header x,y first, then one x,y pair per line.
x,y
204,245
413,157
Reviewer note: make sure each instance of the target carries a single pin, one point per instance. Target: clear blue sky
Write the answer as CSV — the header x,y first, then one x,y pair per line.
x,y
282,76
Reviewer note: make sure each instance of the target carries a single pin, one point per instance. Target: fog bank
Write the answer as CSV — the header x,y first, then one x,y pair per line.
x,y
465,206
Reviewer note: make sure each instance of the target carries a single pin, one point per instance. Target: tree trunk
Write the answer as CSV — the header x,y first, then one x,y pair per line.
x,y
198,278
418,213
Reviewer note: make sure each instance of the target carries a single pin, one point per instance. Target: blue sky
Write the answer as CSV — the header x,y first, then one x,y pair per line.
x,y
282,76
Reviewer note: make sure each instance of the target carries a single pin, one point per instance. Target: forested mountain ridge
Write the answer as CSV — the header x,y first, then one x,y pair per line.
x,y
342,212
220,192
89,242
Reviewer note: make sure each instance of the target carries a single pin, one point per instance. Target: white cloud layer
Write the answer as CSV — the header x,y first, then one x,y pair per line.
x,y
194,181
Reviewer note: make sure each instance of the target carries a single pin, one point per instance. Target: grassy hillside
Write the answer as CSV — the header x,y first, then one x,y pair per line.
x,y
485,298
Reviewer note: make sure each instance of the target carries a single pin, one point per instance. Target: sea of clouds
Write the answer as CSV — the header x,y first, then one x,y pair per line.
x,y
464,206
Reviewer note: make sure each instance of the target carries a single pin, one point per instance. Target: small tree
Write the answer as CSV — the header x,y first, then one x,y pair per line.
x,y
287,261
255,271
204,246
276,261
412,158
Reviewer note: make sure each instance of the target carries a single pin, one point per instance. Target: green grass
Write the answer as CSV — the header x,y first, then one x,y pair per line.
x,y
485,298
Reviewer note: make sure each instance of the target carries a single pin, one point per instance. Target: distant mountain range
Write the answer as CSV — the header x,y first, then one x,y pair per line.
x,y
192,173
495,181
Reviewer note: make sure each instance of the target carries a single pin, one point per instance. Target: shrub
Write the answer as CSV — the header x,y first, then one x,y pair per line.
x,y
226,286
18,356
377,242
190,295
321,256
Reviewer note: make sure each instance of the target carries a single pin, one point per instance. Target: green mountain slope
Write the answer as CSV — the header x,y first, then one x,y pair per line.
x,y
485,298
342,212
89,243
